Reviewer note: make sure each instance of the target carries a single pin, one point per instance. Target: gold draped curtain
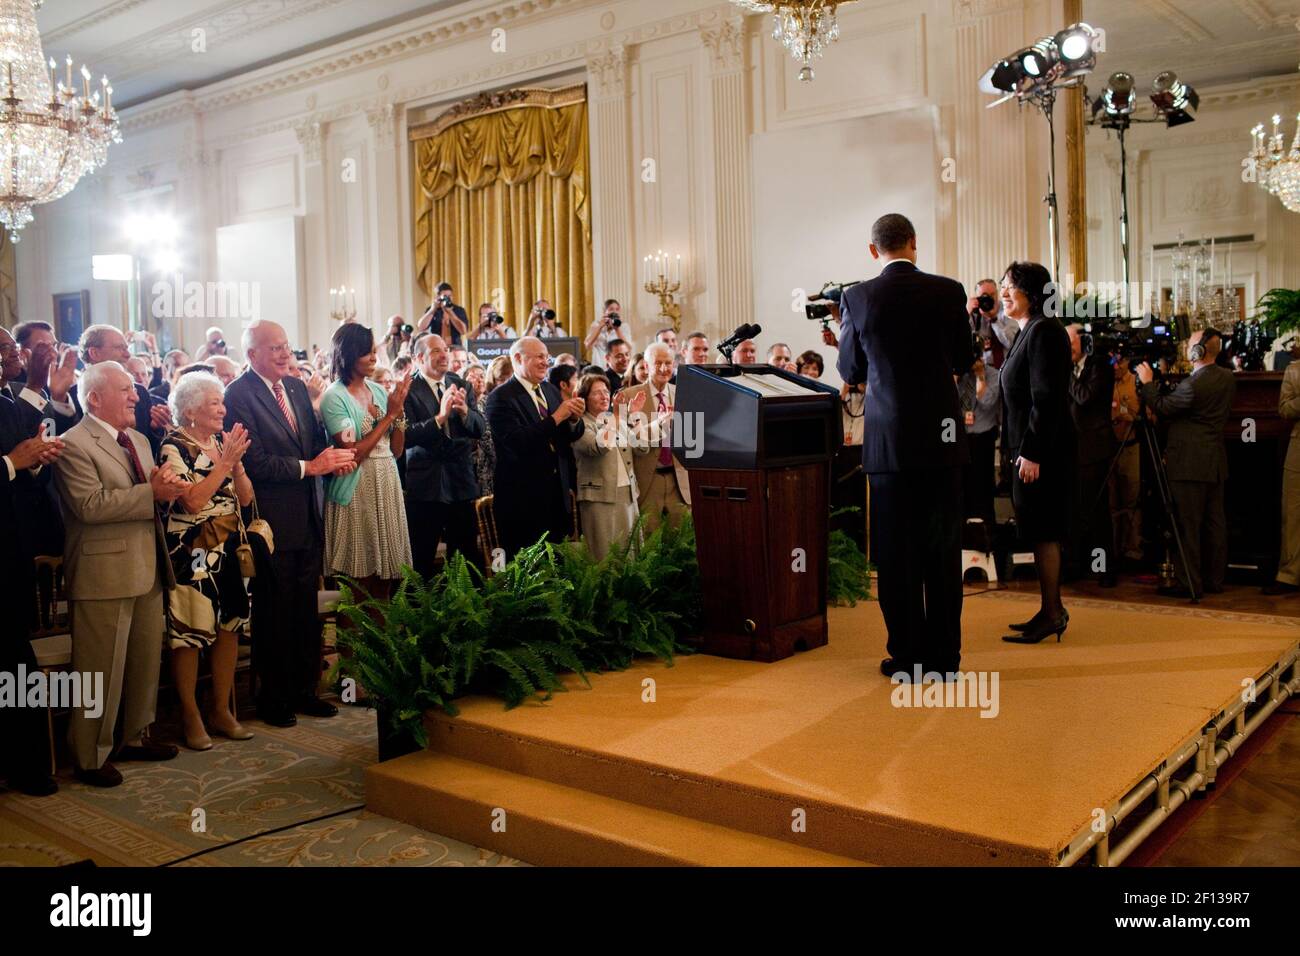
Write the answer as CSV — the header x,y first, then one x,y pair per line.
x,y
8,283
501,202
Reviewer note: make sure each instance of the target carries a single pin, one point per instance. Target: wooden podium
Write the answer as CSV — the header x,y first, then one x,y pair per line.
x,y
758,444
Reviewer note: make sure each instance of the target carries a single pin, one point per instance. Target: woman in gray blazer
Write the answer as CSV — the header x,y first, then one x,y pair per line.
x,y
607,490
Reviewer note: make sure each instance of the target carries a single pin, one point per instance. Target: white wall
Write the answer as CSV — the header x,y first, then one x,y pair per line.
x,y
850,173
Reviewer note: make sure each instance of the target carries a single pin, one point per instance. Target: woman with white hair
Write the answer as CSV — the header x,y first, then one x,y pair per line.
x,y
204,527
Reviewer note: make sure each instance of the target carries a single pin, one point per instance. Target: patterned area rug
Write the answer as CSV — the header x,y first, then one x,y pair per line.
x,y
288,797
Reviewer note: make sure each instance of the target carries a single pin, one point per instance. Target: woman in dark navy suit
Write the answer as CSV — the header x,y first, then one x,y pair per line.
x,y
1039,436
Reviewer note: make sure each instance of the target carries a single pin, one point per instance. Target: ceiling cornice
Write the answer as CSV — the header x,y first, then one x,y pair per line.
x,y
90,20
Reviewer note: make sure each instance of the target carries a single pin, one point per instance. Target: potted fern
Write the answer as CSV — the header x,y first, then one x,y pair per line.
x,y
1280,310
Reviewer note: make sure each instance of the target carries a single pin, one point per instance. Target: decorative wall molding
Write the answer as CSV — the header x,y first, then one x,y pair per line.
x,y
383,125
964,11
608,72
726,42
311,137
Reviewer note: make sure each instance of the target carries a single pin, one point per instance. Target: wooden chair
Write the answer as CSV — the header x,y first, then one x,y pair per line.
x,y
487,531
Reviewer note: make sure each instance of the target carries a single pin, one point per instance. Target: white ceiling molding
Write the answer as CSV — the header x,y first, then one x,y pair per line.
x,y
1180,21
89,21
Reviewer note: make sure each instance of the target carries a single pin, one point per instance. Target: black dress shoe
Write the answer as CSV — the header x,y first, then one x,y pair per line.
x,y
1029,624
277,716
1045,628
315,707
36,785
1278,587
148,750
892,665
105,776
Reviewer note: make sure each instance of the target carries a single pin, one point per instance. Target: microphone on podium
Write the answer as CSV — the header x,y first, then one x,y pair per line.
x,y
728,345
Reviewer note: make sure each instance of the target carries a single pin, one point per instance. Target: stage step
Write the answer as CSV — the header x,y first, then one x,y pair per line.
x,y
551,824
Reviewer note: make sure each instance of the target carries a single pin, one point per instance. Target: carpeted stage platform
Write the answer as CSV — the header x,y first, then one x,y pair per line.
x,y
809,761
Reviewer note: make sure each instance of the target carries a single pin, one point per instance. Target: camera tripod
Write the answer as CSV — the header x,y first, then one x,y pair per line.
x,y
1169,508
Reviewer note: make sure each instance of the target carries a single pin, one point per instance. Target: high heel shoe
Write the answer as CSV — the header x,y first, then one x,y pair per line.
x,y
1027,625
1036,634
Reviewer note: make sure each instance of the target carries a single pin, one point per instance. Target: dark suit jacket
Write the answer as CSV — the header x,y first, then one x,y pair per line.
x,y
905,333
532,475
143,423
20,504
1035,381
40,521
1091,395
1197,410
291,503
440,466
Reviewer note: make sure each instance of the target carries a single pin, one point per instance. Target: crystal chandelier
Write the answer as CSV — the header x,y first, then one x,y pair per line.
x,y
804,27
50,136
1276,168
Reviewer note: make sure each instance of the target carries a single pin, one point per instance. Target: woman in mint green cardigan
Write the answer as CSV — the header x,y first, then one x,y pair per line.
x,y
366,536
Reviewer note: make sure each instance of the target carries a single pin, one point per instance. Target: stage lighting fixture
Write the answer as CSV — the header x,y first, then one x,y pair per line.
x,y
1117,100
1173,99
1076,45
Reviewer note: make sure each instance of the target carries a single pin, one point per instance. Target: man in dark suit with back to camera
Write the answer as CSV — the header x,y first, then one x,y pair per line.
x,y
1092,391
1196,459
287,455
440,481
531,425
905,334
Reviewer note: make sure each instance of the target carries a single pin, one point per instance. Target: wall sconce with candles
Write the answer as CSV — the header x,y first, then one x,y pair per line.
x,y
343,304
662,275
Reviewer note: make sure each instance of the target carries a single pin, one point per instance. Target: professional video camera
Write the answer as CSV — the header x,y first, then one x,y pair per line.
x,y
1150,343
818,307
1250,344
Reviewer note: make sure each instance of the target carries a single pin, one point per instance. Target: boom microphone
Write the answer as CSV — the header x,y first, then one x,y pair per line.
x,y
727,346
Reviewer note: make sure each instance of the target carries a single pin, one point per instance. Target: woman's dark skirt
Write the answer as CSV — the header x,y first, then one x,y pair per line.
x,y
1044,508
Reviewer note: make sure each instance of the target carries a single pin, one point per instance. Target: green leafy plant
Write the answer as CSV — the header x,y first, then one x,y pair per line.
x,y
847,567
1280,309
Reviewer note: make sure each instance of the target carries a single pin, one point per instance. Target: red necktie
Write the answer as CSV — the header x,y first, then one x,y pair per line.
x,y
126,443
665,450
284,406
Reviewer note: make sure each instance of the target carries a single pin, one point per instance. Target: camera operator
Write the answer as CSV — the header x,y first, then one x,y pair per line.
x,y
1126,480
445,318
605,330
491,324
542,322
986,321
214,344
1092,392
399,335
1197,458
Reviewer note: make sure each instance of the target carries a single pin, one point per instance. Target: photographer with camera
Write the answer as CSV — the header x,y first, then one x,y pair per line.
x,y
995,329
214,344
444,317
1196,459
491,324
604,330
1092,391
542,322
397,341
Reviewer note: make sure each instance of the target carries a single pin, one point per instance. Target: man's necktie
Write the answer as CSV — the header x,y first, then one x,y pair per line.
x,y
284,406
131,453
540,400
4,391
665,449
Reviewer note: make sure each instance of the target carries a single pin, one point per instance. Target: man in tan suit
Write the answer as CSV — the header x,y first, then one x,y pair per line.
x,y
115,560
664,484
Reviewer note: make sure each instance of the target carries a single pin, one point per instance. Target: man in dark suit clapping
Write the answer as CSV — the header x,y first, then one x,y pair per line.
x,y
905,335
1196,458
441,486
286,458
531,423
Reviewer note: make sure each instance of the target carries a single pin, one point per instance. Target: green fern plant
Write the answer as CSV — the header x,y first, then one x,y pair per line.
x,y
848,571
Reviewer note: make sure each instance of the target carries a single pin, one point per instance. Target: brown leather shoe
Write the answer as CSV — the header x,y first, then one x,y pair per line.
x,y
105,776
148,750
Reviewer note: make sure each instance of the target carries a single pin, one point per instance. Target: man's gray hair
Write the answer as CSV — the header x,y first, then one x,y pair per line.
x,y
191,391
422,343
96,378
93,338
656,348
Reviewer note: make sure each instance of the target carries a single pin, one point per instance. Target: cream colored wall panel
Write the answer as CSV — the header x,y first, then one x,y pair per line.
x,y
1203,190
262,188
876,66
